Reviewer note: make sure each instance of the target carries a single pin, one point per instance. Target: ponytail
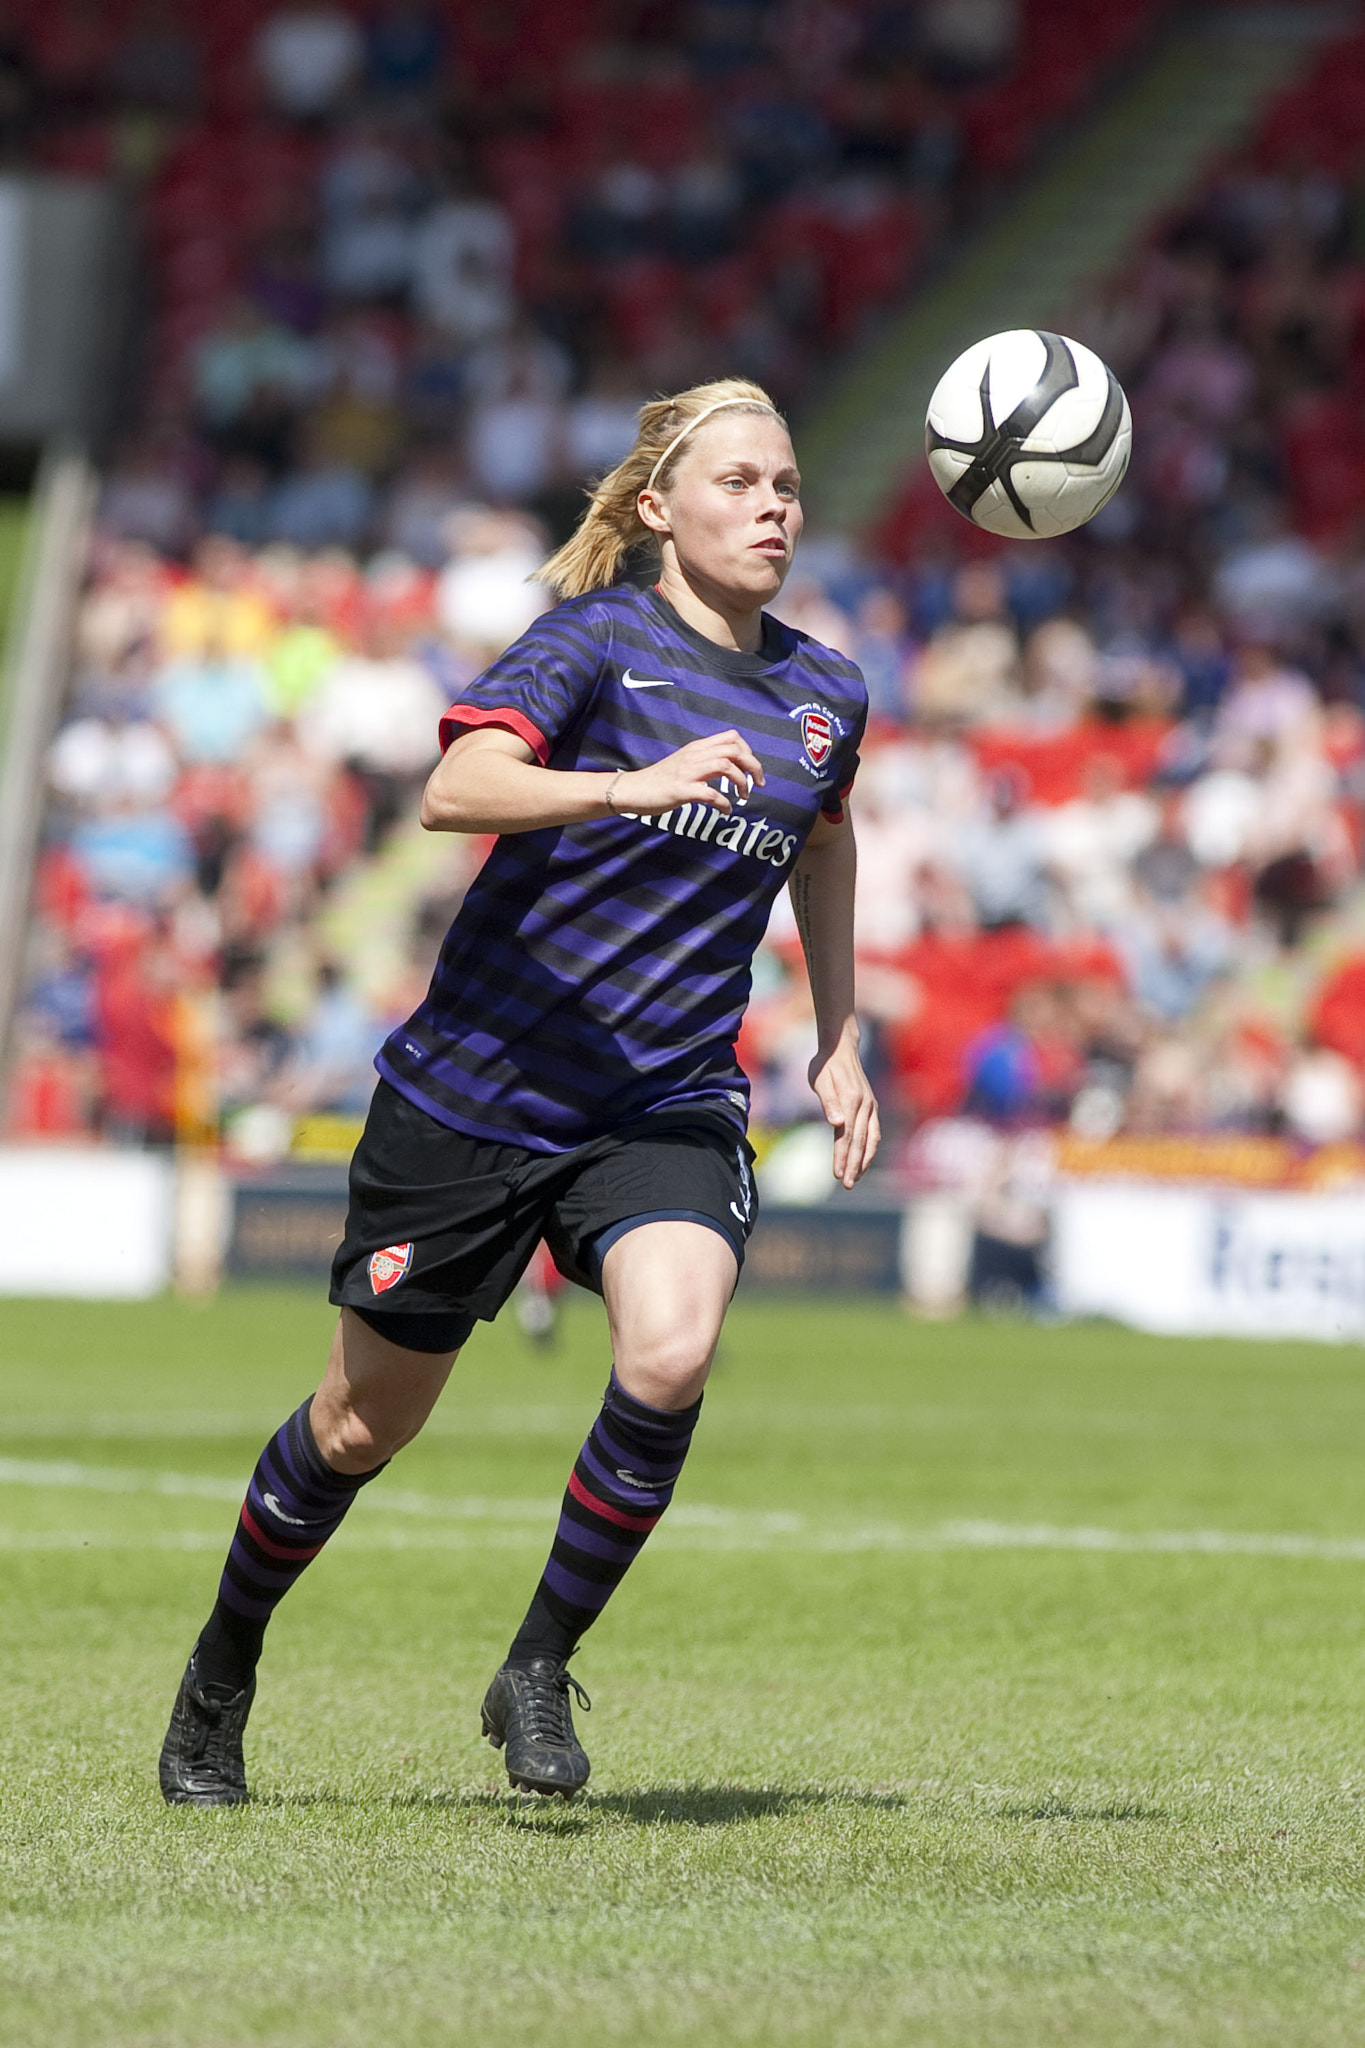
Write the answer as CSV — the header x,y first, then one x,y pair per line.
x,y
612,528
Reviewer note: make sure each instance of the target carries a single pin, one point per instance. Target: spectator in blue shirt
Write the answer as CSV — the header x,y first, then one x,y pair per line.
x,y
212,704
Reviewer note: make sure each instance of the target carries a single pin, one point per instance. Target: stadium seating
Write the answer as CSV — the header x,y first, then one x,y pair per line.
x,y
1111,804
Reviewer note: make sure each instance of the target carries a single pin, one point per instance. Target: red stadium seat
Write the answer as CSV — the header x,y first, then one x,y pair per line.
x,y
1337,1018
46,1097
1056,763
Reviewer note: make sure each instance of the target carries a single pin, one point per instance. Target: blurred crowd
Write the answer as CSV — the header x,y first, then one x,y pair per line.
x,y
1110,809
1112,883
234,876
1112,855
408,254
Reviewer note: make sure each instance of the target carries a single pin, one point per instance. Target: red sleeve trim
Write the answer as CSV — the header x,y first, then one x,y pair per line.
x,y
470,715
833,806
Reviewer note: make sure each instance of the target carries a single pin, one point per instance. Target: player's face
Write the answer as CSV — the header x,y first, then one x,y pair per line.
x,y
732,508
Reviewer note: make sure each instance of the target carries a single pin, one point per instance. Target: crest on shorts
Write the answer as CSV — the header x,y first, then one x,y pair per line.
x,y
388,1267
819,727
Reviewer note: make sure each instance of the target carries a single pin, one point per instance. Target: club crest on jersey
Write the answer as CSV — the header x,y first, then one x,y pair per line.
x,y
819,729
388,1267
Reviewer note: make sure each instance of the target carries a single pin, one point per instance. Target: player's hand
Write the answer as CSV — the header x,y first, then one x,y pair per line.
x,y
690,776
845,1095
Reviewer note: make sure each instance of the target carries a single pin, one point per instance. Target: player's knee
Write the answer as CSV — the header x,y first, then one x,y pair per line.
x,y
357,1440
668,1369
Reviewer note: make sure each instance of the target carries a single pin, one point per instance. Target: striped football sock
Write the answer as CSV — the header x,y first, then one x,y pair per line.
x,y
620,1486
294,1503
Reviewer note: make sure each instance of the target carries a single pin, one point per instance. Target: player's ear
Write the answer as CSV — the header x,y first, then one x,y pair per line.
x,y
650,506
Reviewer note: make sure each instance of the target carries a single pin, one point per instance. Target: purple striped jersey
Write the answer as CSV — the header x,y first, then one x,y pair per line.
x,y
598,972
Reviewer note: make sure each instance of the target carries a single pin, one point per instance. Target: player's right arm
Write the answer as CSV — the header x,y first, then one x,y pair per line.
x,y
490,780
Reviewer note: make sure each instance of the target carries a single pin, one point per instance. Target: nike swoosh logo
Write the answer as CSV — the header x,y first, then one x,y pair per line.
x,y
647,682
276,1509
631,1480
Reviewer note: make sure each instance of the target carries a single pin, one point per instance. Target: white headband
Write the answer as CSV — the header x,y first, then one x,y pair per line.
x,y
704,414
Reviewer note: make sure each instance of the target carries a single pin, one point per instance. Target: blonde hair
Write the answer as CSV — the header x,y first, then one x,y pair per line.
x,y
612,527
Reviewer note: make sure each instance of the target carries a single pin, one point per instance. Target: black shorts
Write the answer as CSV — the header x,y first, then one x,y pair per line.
x,y
442,1226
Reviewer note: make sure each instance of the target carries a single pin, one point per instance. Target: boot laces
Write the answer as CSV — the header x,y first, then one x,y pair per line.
x,y
545,1706
213,1725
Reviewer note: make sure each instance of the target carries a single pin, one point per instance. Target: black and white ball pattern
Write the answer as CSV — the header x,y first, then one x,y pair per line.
x,y
1028,434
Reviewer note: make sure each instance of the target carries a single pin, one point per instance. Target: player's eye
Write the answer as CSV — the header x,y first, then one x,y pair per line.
x,y
732,483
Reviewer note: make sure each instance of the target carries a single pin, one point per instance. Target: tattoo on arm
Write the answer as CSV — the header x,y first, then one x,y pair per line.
x,y
801,895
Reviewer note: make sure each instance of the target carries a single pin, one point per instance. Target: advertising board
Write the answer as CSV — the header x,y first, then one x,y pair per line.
x,y
1211,1261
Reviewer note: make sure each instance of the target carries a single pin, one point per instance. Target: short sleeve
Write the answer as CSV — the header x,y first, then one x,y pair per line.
x,y
537,688
832,802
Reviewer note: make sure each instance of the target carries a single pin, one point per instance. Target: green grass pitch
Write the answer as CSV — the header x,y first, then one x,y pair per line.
x,y
988,1687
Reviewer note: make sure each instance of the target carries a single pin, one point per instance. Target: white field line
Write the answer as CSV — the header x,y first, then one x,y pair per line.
x,y
62,1473
499,1524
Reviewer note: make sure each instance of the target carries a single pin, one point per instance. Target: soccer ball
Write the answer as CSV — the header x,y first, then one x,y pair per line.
x,y
1028,434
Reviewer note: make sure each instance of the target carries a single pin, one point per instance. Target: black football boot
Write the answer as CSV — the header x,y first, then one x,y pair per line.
x,y
527,1708
201,1758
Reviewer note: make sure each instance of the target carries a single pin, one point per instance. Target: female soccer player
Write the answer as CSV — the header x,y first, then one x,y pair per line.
x,y
656,763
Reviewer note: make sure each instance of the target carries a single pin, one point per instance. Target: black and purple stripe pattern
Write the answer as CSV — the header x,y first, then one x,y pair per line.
x,y
294,1503
600,972
619,1487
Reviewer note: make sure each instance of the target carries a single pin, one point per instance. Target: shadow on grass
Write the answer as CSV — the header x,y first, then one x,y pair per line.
x,y
518,1810
1064,1809
719,1806
698,1806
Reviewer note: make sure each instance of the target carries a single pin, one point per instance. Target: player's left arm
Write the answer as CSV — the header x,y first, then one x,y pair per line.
x,y
822,897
